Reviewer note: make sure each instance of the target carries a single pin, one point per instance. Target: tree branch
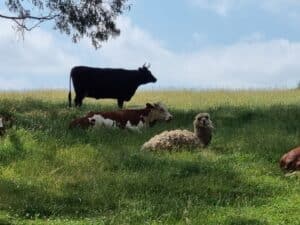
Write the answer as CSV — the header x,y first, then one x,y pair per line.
x,y
23,17
22,24
20,20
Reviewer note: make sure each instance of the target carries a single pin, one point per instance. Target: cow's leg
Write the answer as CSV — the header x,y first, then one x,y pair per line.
x,y
120,103
78,100
129,126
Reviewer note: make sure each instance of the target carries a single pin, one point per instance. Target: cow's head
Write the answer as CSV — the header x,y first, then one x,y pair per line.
x,y
158,112
146,75
5,121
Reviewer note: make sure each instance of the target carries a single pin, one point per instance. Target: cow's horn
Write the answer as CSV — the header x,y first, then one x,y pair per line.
x,y
148,66
144,65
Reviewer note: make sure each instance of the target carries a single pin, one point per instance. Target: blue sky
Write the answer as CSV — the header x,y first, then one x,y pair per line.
x,y
178,23
197,44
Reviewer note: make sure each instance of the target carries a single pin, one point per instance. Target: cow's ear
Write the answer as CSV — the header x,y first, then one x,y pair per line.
x,y
149,106
156,104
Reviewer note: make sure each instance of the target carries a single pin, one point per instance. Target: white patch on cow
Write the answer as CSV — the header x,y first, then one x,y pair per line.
x,y
1,123
137,128
141,124
100,121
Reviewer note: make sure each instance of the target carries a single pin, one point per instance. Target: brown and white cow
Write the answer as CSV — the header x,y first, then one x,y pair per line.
x,y
2,129
133,119
5,123
291,160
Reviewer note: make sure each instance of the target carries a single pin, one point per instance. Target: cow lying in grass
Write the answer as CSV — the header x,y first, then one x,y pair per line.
x,y
5,122
291,160
133,119
2,129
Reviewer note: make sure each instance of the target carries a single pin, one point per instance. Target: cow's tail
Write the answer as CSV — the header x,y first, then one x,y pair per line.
x,y
69,96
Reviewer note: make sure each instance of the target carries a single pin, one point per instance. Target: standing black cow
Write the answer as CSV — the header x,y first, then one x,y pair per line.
x,y
98,83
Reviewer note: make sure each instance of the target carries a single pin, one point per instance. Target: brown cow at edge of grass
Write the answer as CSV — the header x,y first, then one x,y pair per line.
x,y
291,160
132,119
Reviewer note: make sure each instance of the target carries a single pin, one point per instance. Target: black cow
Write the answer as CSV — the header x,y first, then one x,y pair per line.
x,y
98,83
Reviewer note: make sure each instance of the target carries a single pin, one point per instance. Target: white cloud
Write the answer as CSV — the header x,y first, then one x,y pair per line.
x,y
248,65
39,55
223,7
44,60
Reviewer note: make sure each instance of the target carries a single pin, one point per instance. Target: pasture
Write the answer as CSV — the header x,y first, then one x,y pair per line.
x,y
52,175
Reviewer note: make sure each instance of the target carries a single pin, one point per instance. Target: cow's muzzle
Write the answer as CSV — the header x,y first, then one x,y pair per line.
x,y
169,118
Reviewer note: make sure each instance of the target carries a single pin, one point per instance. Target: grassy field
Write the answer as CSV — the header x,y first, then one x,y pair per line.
x,y
52,175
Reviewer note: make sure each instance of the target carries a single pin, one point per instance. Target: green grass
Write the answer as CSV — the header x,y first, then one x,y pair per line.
x,y
52,175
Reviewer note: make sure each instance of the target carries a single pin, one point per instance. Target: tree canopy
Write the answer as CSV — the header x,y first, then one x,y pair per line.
x,y
95,19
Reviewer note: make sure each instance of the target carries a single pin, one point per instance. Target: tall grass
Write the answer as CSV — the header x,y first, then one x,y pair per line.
x,y
52,175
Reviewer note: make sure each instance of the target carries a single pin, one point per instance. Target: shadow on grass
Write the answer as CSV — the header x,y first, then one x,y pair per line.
x,y
245,221
24,200
5,222
13,152
162,185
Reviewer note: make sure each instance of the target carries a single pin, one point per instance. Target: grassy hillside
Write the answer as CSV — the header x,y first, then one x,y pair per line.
x,y
52,175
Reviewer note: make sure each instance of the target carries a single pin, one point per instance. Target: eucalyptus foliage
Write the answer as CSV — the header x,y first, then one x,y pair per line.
x,y
95,19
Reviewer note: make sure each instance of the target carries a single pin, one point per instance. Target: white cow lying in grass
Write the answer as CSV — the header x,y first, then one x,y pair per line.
x,y
133,119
